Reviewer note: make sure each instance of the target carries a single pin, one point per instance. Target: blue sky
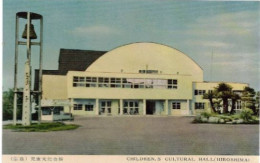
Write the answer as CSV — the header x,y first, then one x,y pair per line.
x,y
228,30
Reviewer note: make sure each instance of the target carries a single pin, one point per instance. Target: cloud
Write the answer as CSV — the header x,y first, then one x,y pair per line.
x,y
226,24
208,43
98,30
237,65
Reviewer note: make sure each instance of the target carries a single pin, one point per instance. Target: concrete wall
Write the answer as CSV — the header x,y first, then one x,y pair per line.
x,y
159,107
183,111
54,87
114,107
47,117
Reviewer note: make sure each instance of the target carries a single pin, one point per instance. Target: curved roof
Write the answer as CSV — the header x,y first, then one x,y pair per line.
x,y
152,56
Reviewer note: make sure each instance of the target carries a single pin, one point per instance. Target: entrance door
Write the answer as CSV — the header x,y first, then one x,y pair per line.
x,y
150,107
105,107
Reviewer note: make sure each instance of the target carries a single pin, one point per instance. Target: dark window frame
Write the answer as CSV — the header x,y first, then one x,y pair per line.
x,y
77,107
89,107
176,105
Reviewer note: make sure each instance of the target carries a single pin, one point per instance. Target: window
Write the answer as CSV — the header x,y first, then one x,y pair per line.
x,y
172,84
115,82
176,105
78,81
57,110
148,71
238,105
199,105
91,81
46,111
125,83
133,83
131,107
105,107
103,82
77,107
199,92
89,107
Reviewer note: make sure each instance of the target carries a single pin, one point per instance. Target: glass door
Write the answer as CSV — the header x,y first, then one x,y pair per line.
x,y
105,107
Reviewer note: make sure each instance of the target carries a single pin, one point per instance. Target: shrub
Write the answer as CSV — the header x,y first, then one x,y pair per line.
x,y
205,114
236,116
246,114
43,127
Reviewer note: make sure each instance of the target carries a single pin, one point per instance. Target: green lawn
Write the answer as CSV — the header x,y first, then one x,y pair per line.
x,y
43,127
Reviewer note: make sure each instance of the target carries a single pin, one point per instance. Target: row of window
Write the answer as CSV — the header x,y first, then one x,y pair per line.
x,y
88,107
148,71
201,92
130,107
56,110
124,82
199,105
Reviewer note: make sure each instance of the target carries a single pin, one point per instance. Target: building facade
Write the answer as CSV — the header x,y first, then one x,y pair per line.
x,y
134,79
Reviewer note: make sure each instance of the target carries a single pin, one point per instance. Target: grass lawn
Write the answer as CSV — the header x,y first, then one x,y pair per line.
x,y
43,127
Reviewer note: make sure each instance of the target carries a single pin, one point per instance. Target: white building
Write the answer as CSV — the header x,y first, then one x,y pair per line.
x,y
134,79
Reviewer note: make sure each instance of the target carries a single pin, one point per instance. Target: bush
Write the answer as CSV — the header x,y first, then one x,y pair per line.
x,y
197,119
205,114
246,114
43,127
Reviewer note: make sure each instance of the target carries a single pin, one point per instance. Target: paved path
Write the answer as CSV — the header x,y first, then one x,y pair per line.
x,y
137,135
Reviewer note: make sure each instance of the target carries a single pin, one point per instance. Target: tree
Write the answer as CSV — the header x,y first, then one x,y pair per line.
x,y
234,98
7,105
8,99
217,104
224,91
257,99
248,97
210,96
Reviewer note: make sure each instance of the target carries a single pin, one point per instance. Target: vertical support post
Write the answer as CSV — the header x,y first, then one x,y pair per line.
x,y
121,106
144,107
97,107
27,84
166,107
40,72
15,71
170,110
235,106
71,104
52,114
188,107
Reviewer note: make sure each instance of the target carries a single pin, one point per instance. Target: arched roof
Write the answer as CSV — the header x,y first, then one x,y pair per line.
x,y
152,56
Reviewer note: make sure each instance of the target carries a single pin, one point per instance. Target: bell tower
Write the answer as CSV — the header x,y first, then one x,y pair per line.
x,y
28,34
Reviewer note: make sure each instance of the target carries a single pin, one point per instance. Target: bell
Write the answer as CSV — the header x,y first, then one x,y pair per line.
x,y
32,32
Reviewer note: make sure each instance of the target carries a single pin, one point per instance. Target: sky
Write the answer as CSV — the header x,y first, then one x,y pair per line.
x,y
222,37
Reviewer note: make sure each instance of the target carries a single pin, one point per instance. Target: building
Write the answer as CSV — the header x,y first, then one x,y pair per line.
x,y
134,79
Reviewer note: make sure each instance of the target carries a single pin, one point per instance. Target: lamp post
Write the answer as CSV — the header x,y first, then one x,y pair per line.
x,y
28,34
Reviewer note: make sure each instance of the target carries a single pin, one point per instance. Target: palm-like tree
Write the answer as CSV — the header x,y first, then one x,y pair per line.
x,y
248,96
224,91
210,96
